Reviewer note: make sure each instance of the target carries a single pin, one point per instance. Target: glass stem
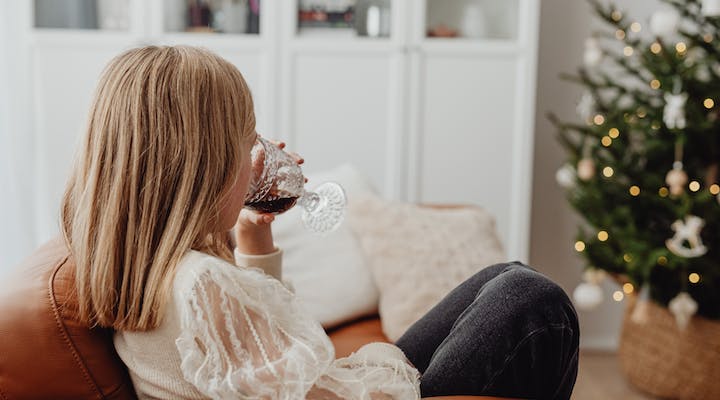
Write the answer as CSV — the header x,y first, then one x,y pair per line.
x,y
310,201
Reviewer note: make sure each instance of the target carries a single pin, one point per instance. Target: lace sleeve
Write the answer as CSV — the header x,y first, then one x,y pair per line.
x,y
244,335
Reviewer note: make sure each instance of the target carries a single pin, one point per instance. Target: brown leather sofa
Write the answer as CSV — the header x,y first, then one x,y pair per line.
x,y
46,354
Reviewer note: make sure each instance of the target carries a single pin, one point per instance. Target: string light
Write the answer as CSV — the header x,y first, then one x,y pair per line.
x,y
628,288
608,172
681,47
628,51
694,186
709,103
614,133
655,48
655,125
634,190
663,191
641,112
694,278
620,34
655,84
708,37
618,295
602,236
662,260
627,257
635,27
579,246
616,15
606,141
715,188
599,119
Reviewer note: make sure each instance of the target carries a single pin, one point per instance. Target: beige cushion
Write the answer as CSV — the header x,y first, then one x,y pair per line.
x,y
417,254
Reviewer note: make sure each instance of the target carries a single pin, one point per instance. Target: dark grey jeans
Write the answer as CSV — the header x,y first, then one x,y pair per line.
x,y
506,331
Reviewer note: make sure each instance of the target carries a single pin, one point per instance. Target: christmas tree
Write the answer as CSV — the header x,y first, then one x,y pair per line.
x,y
642,165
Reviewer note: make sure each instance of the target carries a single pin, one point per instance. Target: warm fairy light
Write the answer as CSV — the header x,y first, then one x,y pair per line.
x,y
620,34
656,48
694,278
641,112
618,295
616,15
708,37
634,190
628,51
602,236
709,103
579,245
655,84
694,186
663,191
655,125
628,288
681,47
599,119
662,260
715,188
606,141
635,27
614,133
608,172
627,257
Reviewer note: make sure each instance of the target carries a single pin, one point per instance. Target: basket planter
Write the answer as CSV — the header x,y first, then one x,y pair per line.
x,y
660,359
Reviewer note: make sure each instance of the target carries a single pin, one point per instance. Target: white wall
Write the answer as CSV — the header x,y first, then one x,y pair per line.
x,y
564,25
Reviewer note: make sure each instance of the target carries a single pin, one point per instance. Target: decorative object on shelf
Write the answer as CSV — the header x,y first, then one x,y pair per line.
x,y
593,53
372,18
442,31
253,17
674,111
199,16
113,14
231,16
687,231
711,8
586,169
565,176
336,14
473,23
683,307
664,23
68,14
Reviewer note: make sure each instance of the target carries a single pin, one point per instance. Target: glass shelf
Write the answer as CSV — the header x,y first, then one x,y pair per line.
x,y
236,17
471,19
344,18
111,15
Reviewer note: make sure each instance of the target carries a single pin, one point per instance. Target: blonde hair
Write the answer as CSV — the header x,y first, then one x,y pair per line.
x,y
162,148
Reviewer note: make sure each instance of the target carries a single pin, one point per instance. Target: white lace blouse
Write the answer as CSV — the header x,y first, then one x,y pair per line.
x,y
238,333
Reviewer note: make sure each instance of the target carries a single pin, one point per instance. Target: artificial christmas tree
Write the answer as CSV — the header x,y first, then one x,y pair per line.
x,y
642,167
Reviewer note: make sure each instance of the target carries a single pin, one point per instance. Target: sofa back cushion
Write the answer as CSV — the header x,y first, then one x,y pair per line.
x,y
44,351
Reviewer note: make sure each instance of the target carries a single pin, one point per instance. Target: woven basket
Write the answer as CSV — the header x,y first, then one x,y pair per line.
x,y
660,359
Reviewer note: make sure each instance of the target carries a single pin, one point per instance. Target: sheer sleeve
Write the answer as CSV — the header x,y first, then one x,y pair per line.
x,y
244,335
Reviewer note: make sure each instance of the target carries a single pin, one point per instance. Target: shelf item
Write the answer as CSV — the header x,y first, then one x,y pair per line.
x,y
471,19
344,18
219,16
82,14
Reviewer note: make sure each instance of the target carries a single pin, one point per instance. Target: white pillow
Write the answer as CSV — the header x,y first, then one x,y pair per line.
x,y
329,274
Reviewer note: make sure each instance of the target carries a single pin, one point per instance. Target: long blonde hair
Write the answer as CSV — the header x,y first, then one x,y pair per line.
x,y
162,148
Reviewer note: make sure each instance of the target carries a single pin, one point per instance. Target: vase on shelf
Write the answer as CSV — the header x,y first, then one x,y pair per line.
x,y
474,21
372,18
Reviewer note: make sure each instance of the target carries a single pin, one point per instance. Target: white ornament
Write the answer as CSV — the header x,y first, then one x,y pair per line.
x,y
586,106
674,112
688,230
711,8
588,296
683,307
664,23
593,53
565,176
676,179
586,169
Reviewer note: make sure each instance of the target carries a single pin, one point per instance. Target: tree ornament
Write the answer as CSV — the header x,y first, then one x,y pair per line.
x,y
565,176
676,179
588,295
688,230
674,112
664,23
586,106
711,8
683,307
640,312
593,53
586,169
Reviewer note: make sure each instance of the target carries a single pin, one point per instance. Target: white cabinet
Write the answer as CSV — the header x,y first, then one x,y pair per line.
x,y
427,119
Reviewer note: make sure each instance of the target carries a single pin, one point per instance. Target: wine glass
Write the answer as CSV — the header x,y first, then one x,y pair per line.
x,y
277,184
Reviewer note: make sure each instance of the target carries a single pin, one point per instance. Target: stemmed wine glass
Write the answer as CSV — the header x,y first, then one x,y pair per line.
x,y
277,184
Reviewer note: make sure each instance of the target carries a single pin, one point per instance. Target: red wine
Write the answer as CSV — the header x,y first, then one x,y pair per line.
x,y
276,206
